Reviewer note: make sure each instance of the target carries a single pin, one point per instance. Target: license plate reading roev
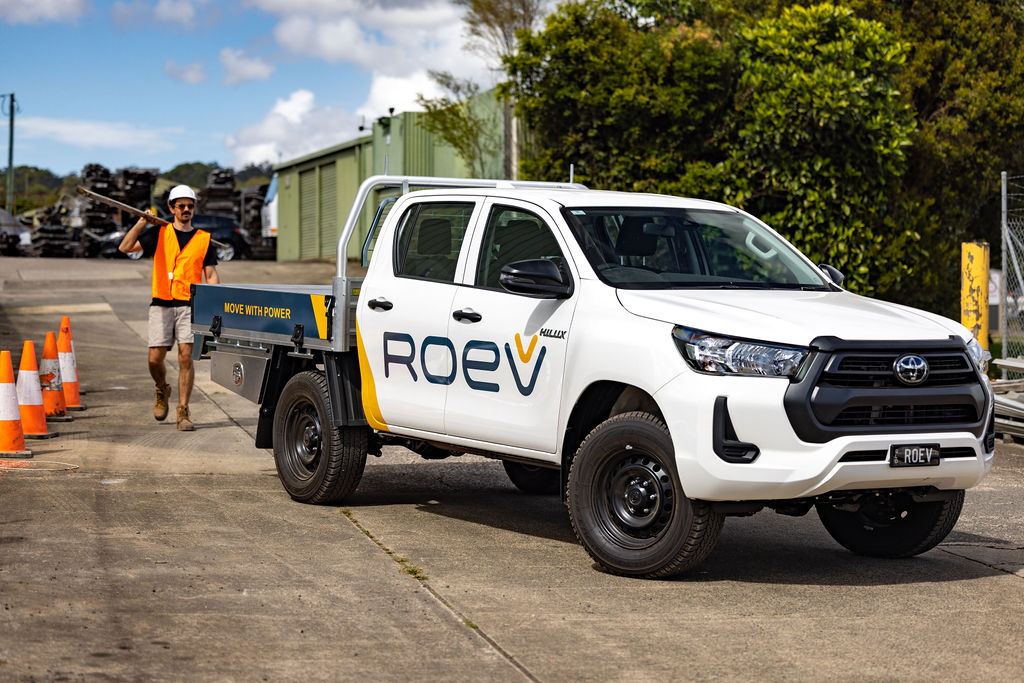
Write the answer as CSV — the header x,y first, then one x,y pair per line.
x,y
914,455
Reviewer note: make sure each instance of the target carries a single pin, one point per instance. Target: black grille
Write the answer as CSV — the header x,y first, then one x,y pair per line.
x,y
882,455
851,388
876,370
870,416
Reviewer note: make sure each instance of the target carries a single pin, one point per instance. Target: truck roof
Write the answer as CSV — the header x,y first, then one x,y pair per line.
x,y
581,197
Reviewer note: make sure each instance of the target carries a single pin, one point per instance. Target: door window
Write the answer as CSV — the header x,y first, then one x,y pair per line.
x,y
429,238
513,235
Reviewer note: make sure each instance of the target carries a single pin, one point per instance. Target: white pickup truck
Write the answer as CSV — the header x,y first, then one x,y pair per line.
x,y
662,363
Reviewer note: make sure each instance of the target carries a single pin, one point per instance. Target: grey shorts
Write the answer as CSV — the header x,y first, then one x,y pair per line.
x,y
170,324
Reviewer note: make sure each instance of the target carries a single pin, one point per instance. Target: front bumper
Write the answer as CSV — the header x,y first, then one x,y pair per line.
x,y
786,466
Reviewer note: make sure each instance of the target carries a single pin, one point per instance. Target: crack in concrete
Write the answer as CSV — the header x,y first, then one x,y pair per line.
x,y
986,564
456,614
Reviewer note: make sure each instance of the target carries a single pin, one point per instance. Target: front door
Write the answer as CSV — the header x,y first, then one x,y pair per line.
x,y
511,347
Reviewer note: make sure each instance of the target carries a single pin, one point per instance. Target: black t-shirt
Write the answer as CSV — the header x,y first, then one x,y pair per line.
x,y
148,240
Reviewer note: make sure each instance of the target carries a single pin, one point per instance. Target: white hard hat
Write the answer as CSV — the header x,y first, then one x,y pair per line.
x,y
180,191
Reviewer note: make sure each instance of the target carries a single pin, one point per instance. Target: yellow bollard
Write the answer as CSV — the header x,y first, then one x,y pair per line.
x,y
974,289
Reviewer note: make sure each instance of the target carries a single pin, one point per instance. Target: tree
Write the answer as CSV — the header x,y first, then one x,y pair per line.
x,y
492,27
627,107
33,187
193,173
453,119
964,76
817,141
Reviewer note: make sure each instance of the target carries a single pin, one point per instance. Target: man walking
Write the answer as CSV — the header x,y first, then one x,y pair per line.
x,y
181,258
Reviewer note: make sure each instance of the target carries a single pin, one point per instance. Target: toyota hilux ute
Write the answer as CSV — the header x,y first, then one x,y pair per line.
x,y
660,362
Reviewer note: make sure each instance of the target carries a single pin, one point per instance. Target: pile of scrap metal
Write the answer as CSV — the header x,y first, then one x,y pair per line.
x,y
75,227
1009,398
220,198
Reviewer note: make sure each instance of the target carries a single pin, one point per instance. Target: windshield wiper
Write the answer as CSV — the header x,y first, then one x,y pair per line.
x,y
801,287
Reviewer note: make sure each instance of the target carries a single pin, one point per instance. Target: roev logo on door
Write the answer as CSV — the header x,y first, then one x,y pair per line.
x,y
401,349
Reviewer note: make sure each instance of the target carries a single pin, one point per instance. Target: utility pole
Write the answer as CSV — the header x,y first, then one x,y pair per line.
x,y
10,160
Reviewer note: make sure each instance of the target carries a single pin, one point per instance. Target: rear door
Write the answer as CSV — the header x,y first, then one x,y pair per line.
x,y
407,361
511,347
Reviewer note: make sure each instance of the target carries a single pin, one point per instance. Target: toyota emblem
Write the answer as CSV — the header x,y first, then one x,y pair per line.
x,y
911,369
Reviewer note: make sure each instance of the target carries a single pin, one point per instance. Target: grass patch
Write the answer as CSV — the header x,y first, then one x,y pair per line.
x,y
403,562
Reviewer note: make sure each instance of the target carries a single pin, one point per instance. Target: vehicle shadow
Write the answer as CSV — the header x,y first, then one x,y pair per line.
x,y
763,548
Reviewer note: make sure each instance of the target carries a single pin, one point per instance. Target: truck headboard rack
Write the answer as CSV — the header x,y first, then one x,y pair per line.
x,y
346,289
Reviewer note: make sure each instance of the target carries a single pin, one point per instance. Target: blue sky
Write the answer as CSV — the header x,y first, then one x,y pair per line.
x,y
155,83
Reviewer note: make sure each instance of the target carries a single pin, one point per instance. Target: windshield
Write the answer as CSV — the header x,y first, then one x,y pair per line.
x,y
665,248
271,190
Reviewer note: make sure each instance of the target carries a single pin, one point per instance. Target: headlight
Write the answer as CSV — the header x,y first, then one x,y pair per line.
x,y
725,356
981,356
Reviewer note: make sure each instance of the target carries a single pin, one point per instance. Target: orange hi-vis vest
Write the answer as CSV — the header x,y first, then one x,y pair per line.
x,y
174,270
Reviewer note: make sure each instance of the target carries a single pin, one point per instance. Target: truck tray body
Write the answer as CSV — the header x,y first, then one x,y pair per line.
x,y
265,313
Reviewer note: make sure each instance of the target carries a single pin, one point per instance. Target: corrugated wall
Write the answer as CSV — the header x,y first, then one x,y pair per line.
x,y
317,191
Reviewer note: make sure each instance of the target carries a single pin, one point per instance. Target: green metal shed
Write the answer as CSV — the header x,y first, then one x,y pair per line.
x,y
317,190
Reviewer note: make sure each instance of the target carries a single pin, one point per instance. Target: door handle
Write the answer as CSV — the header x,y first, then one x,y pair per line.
x,y
380,304
471,316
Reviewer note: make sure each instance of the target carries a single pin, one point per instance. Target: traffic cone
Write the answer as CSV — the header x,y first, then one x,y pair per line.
x,y
68,366
12,439
65,331
30,396
50,383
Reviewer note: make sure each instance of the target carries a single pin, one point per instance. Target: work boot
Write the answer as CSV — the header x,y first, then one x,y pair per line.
x,y
160,407
184,423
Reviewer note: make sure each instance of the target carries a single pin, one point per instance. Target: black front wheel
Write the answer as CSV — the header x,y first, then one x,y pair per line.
x,y
891,523
626,503
316,461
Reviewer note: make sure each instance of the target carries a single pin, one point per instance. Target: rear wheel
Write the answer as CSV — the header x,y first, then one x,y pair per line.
x,y
317,462
892,523
626,503
532,479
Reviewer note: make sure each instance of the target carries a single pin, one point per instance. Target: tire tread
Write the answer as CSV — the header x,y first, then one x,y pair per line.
x,y
705,526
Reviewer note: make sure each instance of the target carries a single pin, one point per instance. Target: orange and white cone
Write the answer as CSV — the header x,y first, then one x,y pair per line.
x,y
68,366
30,396
12,439
50,383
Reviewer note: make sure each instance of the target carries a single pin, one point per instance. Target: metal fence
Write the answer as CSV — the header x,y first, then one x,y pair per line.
x,y
1011,284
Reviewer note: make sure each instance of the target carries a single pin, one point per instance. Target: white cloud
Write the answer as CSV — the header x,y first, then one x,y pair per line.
x,y
293,127
176,12
397,91
36,11
340,40
103,134
186,73
130,14
238,68
389,37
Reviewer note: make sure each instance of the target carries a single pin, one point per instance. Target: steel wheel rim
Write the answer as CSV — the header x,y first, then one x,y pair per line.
x,y
635,499
305,440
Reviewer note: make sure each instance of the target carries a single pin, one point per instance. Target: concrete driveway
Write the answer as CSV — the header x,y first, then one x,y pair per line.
x,y
130,551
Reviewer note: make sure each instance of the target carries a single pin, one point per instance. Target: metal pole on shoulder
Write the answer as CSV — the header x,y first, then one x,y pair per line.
x,y
1003,228
10,160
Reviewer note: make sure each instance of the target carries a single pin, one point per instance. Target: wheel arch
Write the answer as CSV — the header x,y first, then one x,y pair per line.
x,y
342,373
598,402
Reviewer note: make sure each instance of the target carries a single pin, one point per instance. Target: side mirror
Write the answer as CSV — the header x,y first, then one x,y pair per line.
x,y
536,277
833,274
